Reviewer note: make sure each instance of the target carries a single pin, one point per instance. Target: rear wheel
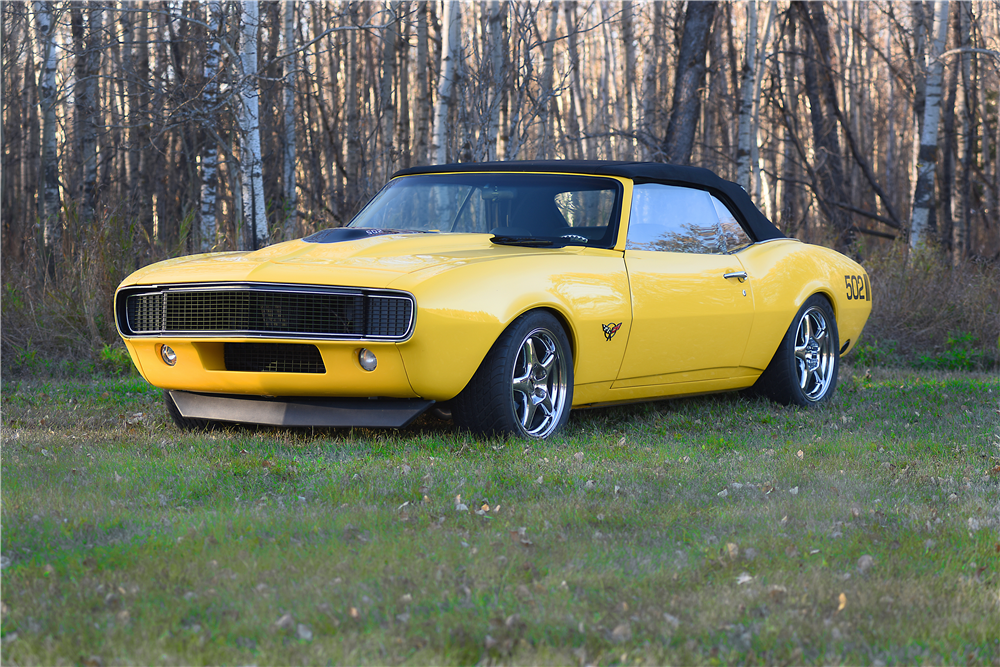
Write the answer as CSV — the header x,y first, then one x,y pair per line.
x,y
804,368
524,386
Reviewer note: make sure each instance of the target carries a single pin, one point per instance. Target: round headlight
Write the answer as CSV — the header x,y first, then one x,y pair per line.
x,y
168,355
367,359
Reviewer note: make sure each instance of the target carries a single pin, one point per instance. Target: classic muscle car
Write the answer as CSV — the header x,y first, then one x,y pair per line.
x,y
502,295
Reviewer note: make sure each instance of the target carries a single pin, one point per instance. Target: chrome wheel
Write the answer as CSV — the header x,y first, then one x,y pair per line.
x,y
539,383
815,354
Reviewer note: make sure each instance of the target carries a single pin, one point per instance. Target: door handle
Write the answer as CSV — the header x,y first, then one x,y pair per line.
x,y
739,275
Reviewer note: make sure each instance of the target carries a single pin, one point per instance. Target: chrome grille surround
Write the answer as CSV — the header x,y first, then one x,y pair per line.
x,y
265,310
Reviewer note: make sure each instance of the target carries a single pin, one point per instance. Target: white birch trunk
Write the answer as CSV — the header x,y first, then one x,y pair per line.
x,y
288,180
210,151
450,49
49,200
923,192
744,156
254,211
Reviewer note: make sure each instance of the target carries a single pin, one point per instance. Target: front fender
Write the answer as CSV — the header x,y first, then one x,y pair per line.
x,y
462,309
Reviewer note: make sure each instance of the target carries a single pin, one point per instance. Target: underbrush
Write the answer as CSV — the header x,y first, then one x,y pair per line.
x,y
60,324
931,315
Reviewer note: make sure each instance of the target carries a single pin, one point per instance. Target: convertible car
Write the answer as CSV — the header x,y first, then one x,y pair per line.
x,y
500,295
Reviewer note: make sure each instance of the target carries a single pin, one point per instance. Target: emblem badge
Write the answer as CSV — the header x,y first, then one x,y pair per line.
x,y
611,329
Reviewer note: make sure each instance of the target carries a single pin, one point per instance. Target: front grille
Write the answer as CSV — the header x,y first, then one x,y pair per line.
x,y
273,358
145,312
387,315
273,312
265,310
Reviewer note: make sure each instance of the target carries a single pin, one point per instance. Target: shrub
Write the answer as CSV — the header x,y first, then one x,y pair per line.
x,y
926,308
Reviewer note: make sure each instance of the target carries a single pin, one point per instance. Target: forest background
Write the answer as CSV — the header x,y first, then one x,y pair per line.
x,y
137,131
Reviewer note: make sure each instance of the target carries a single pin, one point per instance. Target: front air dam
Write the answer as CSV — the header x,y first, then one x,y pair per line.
x,y
294,411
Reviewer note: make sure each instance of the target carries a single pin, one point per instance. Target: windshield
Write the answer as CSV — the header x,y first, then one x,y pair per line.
x,y
568,210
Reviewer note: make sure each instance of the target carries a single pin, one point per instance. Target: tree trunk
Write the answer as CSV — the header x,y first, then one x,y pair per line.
x,y
821,92
90,108
450,54
923,192
497,75
547,96
628,37
651,101
387,110
49,199
403,147
789,169
942,232
688,81
251,167
210,148
423,86
354,150
963,220
745,136
289,64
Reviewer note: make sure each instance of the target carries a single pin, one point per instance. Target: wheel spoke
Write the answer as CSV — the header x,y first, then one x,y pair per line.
x,y
528,350
808,321
805,377
529,412
800,352
819,334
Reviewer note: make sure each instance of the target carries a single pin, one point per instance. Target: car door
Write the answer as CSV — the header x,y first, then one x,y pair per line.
x,y
692,301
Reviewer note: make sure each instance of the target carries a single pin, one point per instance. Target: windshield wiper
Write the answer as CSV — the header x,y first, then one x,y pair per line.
x,y
525,241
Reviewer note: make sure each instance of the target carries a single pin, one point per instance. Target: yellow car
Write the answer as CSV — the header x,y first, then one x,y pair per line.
x,y
502,295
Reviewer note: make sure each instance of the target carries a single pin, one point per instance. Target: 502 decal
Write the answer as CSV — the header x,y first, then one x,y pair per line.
x,y
858,288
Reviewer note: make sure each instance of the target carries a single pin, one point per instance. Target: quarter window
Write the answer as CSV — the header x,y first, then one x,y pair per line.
x,y
669,218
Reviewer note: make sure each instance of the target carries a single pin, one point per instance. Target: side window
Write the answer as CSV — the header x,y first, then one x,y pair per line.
x,y
669,218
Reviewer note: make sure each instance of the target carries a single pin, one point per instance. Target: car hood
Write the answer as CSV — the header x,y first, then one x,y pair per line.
x,y
374,261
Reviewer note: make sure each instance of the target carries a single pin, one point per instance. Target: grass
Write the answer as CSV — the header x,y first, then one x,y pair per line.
x,y
715,529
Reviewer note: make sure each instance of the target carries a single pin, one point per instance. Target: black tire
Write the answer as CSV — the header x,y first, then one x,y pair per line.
x,y
185,423
530,360
804,369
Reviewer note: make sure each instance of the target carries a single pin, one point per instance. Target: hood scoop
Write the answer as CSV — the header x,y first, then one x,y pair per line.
x,y
338,234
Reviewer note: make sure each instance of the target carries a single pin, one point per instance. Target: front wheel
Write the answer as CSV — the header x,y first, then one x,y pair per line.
x,y
524,386
804,368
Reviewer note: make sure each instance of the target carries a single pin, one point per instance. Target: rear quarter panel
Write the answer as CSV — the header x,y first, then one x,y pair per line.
x,y
784,273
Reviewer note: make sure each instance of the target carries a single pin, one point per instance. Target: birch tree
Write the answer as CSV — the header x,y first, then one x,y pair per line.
x,y
254,211
49,199
450,53
210,148
923,191
743,152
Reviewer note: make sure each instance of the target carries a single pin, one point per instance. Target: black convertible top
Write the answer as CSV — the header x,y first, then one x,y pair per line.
x,y
730,193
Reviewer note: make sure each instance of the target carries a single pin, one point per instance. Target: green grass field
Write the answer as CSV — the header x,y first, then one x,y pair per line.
x,y
710,530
